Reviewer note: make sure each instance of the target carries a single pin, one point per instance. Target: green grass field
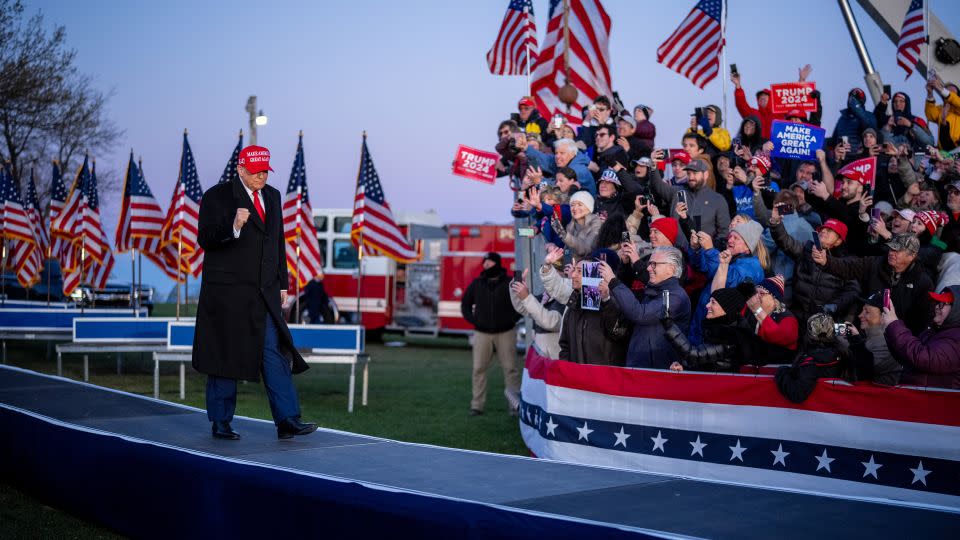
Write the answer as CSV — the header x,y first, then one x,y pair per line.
x,y
418,393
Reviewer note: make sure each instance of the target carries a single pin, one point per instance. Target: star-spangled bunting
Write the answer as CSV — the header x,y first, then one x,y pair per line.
x,y
837,462
298,230
372,218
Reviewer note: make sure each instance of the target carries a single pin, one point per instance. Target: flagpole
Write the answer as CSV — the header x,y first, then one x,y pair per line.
x,y
926,31
179,245
133,282
360,244
3,274
723,61
47,264
140,253
527,45
297,268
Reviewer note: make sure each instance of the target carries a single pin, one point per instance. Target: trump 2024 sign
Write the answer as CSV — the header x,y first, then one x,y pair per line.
x,y
475,164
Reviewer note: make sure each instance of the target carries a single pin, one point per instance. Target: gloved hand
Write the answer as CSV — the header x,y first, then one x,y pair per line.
x,y
557,226
704,124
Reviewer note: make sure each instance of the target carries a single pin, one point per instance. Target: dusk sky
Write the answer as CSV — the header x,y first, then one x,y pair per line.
x,y
414,75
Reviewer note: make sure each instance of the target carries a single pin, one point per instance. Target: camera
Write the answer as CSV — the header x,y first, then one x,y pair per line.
x,y
624,237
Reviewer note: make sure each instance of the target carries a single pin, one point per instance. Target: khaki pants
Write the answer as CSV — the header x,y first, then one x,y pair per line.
x,y
505,344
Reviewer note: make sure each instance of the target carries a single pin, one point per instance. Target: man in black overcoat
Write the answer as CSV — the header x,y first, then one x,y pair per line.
x,y
240,332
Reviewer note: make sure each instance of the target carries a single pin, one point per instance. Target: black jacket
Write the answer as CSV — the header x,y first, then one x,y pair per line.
x,y
814,287
797,381
242,280
594,337
908,291
486,304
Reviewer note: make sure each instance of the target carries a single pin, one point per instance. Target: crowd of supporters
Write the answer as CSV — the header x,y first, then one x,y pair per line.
x,y
721,256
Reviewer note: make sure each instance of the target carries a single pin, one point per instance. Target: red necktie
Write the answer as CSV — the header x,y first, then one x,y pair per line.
x,y
258,206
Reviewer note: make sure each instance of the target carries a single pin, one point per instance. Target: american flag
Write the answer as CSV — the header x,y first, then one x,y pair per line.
x,y
515,50
98,261
912,35
60,247
589,58
32,207
78,223
141,221
693,49
184,212
373,219
298,224
24,254
230,171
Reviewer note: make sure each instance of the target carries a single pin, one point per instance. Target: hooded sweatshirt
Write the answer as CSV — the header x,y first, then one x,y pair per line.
x,y
933,357
753,142
716,134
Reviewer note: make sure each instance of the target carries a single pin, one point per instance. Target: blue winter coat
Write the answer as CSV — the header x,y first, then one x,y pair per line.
x,y
548,164
742,268
853,120
649,347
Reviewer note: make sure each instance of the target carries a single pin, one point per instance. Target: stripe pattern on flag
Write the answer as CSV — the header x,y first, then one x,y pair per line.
x,y
912,35
589,59
514,52
60,247
693,49
180,224
373,218
298,229
23,253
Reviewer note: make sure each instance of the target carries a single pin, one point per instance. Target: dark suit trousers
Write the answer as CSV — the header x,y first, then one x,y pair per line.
x,y
277,378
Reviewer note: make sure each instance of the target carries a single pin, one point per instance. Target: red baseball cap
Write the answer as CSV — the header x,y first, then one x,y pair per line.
x,y
680,155
795,113
761,162
526,101
946,297
255,159
856,176
836,226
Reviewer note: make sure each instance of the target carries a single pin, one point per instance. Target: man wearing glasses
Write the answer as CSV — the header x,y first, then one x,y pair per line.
x,y
240,332
599,113
933,357
607,153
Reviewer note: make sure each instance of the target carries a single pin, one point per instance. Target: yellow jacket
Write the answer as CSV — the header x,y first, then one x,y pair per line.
x,y
720,137
952,121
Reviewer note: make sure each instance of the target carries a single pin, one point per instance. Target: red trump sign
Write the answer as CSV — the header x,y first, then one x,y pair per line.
x,y
475,164
786,97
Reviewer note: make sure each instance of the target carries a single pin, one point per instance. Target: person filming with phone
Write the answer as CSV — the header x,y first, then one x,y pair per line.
x,y
932,357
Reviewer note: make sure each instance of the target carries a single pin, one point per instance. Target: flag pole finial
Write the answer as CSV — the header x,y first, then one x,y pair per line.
x,y
364,134
185,131
301,133
241,132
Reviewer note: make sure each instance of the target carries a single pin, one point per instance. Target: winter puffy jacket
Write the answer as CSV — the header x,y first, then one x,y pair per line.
x,y
949,121
933,357
813,286
648,345
486,303
853,120
742,268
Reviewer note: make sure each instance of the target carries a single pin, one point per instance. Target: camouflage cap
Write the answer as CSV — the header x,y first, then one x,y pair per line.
x,y
820,328
904,242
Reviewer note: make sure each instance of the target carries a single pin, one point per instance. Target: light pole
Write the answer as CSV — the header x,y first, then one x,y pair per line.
x,y
257,118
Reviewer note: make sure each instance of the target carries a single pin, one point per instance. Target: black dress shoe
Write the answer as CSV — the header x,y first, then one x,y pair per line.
x,y
289,427
222,430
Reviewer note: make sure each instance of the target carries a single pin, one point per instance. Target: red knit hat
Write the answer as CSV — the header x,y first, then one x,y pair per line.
x,y
932,220
668,226
836,226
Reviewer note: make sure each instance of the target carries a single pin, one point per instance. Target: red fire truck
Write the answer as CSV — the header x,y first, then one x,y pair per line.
x,y
422,297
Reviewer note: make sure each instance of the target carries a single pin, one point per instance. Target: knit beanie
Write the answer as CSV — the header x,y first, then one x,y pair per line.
x,y
668,226
932,220
585,199
730,300
750,232
773,285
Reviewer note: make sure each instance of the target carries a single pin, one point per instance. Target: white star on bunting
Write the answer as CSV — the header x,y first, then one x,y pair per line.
x,y
779,456
737,451
697,447
823,461
919,475
551,426
871,467
584,432
658,442
621,437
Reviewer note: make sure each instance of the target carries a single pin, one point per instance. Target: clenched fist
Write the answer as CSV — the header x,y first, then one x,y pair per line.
x,y
242,216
